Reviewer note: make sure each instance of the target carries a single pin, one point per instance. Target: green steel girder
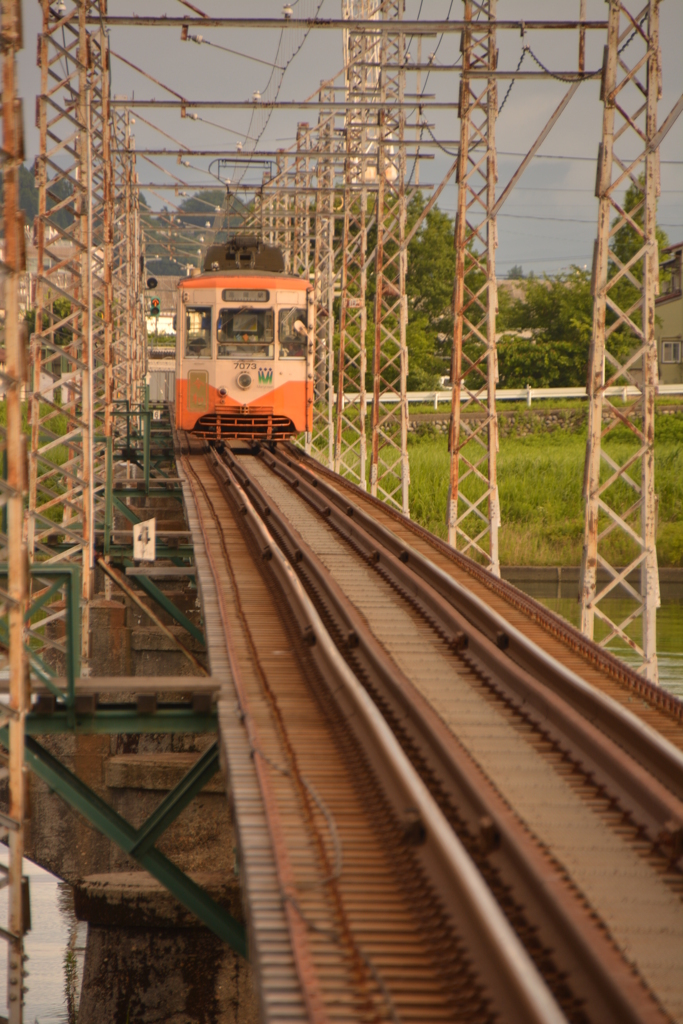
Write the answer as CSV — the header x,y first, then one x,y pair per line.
x,y
133,841
69,577
170,807
121,722
124,510
165,602
121,552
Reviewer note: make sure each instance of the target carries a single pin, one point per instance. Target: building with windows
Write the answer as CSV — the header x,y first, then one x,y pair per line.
x,y
669,318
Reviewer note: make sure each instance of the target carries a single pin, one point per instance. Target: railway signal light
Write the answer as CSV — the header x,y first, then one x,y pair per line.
x,y
154,308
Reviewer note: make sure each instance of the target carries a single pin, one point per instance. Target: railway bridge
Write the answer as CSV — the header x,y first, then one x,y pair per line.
x,y
297,758
399,788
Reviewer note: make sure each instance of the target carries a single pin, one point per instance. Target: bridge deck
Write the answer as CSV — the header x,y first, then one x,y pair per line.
x,y
567,806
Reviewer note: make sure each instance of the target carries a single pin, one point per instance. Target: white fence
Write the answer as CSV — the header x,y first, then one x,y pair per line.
x,y
162,388
513,395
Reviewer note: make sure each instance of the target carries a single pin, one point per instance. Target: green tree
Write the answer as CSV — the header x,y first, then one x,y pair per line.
x,y
557,316
429,286
28,198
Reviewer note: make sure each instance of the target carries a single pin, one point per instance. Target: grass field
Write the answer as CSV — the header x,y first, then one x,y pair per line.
x,y
540,481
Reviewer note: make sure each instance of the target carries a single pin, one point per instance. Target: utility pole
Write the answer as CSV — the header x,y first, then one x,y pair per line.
x,y
624,293
389,469
13,716
320,442
362,62
61,493
301,184
474,509
122,341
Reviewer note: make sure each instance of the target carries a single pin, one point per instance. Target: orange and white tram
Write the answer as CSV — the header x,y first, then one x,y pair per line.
x,y
244,347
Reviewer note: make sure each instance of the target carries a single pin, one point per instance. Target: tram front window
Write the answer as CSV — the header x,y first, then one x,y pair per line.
x,y
198,332
292,333
245,334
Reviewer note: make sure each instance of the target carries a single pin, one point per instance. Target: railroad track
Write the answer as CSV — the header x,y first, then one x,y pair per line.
x,y
438,722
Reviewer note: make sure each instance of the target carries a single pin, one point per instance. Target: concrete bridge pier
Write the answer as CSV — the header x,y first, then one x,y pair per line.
x,y
148,960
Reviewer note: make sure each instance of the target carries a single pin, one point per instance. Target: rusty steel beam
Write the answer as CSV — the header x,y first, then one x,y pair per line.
x,y
474,509
619,490
410,27
14,601
336,105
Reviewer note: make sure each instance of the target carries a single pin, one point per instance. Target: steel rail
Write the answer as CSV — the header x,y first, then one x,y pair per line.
x,y
583,955
637,766
554,624
512,981
299,940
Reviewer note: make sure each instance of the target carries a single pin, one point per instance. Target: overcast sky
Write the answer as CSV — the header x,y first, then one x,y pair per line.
x,y
549,221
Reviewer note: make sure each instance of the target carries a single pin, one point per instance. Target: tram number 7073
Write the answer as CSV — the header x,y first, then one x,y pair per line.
x,y
244,366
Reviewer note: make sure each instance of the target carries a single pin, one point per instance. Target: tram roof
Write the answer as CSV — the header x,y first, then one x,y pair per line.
x,y
248,278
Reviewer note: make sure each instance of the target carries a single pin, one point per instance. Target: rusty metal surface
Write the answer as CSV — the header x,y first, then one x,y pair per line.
x,y
535,677
565,813
630,88
270,948
13,600
369,927
657,707
473,448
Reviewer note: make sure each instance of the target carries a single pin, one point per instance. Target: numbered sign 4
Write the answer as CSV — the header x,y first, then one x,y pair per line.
x,y
145,541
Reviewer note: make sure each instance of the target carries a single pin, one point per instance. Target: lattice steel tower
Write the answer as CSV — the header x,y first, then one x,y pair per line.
x,y
474,516
619,487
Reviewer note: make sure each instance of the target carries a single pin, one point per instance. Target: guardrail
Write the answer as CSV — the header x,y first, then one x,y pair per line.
x,y
434,397
513,394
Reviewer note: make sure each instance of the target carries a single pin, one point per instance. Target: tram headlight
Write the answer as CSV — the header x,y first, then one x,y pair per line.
x,y
244,381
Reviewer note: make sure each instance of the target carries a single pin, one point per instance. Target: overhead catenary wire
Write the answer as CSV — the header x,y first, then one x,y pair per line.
x,y
237,53
279,67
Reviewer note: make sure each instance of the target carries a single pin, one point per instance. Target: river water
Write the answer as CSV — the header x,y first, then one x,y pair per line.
x,y
669,625
55,947
56,942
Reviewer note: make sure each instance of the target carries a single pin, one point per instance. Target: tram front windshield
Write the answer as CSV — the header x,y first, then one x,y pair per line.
x,y
245,333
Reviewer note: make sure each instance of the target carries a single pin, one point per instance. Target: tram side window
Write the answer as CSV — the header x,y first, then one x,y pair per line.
x,y
198,332
293,341
245,333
